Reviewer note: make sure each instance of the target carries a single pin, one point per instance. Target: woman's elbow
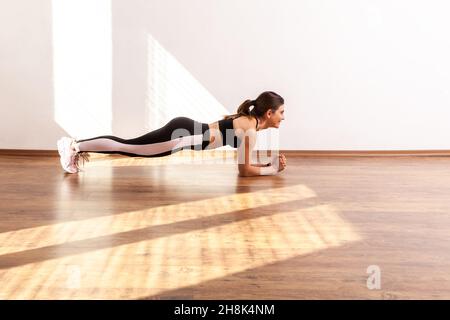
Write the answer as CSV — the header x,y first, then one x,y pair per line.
x,y
244,171
248,171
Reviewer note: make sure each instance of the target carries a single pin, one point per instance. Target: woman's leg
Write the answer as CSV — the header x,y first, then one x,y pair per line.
x,y
178,134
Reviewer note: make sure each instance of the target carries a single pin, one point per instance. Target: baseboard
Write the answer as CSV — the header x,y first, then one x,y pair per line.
x,y
367,153
301,153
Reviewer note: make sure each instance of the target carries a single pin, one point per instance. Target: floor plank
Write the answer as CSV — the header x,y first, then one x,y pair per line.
x,y
177,228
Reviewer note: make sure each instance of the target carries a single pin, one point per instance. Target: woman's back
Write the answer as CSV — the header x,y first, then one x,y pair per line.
x,y
226,129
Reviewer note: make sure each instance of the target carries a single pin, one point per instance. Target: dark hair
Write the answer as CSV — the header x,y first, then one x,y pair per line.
x,y
265,101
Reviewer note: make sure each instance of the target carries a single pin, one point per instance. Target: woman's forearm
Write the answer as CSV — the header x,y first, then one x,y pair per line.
x,y
252,171
260,164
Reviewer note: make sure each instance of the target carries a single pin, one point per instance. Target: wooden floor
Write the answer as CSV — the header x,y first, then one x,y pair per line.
x,y
136,228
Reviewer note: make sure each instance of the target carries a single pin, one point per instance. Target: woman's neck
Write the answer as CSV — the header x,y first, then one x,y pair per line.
x,y
261,124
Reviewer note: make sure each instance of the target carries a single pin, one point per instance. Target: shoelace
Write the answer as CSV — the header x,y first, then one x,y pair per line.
x,y
84,156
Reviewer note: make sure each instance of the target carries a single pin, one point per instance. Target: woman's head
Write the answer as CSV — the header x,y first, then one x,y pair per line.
x,y
268,107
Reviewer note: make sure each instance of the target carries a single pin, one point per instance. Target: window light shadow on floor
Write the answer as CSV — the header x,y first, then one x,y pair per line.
x,y
147,252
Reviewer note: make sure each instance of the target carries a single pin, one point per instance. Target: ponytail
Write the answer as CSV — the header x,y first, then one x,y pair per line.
x,y
243,109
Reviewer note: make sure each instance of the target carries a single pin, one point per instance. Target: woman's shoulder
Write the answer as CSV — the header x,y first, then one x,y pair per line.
x,y
244,122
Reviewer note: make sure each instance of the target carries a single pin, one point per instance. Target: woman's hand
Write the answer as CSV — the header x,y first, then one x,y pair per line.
x,y
282,162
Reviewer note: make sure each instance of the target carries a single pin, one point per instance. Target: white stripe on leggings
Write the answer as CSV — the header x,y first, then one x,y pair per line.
x,y
103,144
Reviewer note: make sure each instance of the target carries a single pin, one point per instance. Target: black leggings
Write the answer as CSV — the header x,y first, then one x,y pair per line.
x,y
178,134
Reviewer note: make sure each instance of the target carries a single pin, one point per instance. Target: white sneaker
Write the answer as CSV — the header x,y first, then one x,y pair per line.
x,y
67,153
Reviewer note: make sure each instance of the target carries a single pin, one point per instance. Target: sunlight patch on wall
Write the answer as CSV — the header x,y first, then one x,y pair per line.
x,y
173,91
82,66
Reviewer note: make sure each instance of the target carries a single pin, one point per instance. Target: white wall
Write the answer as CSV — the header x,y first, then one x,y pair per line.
x,y
355,74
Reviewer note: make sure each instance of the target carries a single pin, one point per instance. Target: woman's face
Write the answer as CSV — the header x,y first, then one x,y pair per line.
x,y
276,117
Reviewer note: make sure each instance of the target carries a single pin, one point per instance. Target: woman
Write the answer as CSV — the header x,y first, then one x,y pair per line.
x,y
182,132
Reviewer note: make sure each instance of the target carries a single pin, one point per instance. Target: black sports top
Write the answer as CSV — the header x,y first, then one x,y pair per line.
x,y
232,140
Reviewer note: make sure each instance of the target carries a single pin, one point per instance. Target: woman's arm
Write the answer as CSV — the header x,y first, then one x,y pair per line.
x,y
261,164
246,169
258,163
